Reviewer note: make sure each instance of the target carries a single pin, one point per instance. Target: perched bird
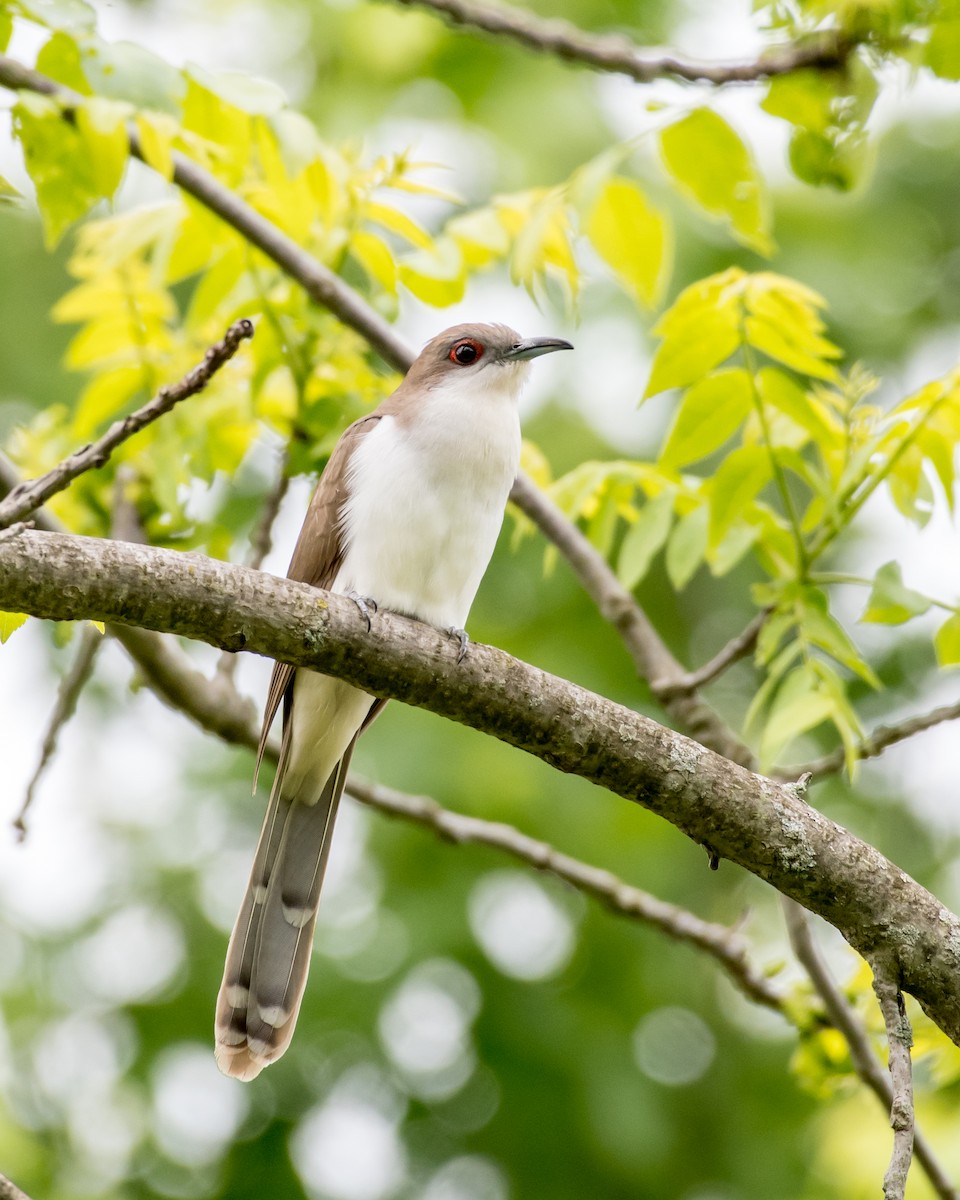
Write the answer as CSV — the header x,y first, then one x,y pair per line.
x,y
405,516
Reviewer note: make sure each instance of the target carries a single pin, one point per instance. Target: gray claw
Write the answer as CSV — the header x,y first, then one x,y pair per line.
x,y
366,604
462,638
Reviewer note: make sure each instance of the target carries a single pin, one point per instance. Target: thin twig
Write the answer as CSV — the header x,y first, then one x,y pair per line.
x,y
10,1191
738,647
725,945
862,1055
899,1042
30,494
608,52
71,685
875,743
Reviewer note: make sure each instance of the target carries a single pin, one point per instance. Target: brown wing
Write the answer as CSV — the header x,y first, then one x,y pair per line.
x,y
318,552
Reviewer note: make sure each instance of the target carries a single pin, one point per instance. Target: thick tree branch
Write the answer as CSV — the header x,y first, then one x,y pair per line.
x,y
899,1042
30,494
217,708
10,1191
609,52
764,827
843,1016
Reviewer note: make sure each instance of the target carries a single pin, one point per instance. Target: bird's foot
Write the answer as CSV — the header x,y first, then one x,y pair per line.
x,y
366,604
462,638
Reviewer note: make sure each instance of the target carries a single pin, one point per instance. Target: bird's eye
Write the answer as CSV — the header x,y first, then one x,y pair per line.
x,y
466,352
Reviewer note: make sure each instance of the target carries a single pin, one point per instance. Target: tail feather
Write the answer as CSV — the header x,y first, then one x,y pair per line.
x,y
268,958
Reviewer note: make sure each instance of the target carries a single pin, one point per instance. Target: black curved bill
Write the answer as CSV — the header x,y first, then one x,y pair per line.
x,y
534,347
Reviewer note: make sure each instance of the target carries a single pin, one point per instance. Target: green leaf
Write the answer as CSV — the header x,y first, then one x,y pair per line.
x,y
687,546
824,161
103,126
783,322
700,331
632,237
890,602
644,539
947,642
741,476
781,392
9,623
376,258
60,59
125,71
6,28
802,97
943,48
59,164
157,131
823,630
437,278
713,166
710,413
800,704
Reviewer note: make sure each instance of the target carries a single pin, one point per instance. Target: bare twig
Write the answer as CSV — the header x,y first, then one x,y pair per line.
x,y
10,1191
842,1014
725,945
30,494
738,647
878,741
899,1042
607,52
71,685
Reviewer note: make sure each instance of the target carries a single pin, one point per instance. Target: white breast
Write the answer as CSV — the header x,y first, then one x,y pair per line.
x,y
427,497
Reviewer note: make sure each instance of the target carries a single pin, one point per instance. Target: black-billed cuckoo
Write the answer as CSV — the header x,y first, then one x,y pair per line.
x,y
406,515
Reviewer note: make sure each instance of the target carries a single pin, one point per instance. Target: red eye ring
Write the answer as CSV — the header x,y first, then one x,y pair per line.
x,y
466,352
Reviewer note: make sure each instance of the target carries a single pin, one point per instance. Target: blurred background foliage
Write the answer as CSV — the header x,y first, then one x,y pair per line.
x,y
472,1031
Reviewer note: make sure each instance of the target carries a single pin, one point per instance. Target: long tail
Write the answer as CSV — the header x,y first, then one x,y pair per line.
x,y
269,953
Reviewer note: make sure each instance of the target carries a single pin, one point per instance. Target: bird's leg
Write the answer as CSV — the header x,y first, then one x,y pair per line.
x,y
464,640
366,604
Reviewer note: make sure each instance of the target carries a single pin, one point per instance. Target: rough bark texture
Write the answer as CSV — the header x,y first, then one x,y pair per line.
x,y
765,827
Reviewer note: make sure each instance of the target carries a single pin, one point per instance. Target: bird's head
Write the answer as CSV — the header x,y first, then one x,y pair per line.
x,y
477,357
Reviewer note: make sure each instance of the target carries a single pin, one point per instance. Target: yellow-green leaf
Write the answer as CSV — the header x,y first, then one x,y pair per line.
x,y
633,238
9,623
156,132
713,166
799,705
711,412
400,224
947,642
741,476
103,126
700,331
375,256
